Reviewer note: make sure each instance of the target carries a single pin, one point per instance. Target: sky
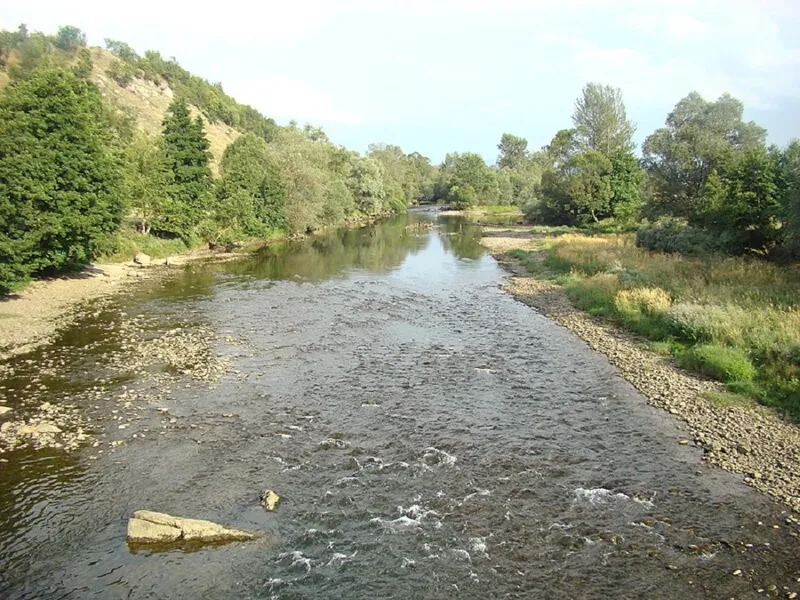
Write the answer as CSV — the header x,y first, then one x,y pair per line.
x,y
436,76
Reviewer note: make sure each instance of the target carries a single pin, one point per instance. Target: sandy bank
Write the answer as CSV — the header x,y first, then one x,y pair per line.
x,y
31,317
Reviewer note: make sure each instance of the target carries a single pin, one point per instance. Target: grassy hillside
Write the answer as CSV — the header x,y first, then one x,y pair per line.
x,y
147,102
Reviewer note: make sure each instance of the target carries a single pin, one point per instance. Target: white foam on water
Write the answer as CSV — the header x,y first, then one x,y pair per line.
x,y
284,436
407,562
460,553
346,480
477,545
475,494
439,457
646,503
295,428
473,576
339,558
562,526
298,560
333,443
394,525
416,512
599,495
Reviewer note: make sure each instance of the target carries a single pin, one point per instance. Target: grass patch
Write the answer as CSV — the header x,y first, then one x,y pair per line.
x,y
719,362
495,209
723,399
734,319
129,243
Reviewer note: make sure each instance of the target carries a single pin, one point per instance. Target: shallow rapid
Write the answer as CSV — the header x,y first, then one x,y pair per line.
x,y
430,438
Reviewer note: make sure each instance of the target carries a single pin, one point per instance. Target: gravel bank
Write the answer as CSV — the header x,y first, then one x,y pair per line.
x,y
747,440
30,318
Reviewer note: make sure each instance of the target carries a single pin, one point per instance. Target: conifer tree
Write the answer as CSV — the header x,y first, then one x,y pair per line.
x,y
187,158
59,178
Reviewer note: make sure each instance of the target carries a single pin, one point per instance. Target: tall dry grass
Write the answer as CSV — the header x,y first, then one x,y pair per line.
x,y
722,316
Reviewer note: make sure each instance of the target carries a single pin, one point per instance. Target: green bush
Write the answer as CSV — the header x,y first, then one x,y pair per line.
x,y
719,362
121,72
674,236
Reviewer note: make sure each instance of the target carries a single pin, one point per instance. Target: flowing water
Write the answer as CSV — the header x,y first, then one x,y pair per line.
x,y
430,438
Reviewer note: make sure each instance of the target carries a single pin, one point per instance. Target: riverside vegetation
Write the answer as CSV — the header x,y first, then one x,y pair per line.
x,y
84,174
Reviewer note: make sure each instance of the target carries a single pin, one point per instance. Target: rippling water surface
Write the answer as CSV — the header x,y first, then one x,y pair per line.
x,y
430,437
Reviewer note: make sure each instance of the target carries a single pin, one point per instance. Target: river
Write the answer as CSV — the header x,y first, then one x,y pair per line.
x,y
430,437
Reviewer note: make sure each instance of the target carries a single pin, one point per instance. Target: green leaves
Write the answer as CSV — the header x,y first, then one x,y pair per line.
x,y
59,179
187,159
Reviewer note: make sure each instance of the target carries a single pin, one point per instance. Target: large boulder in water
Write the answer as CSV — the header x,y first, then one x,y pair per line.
x,y
142,259
147,527
270,500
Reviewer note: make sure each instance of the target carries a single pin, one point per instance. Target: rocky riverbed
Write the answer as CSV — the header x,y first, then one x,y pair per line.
x,y
748,440
157,362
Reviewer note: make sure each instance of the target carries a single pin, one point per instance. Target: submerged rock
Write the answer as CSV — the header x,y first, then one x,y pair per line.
x,y
147,527
270,500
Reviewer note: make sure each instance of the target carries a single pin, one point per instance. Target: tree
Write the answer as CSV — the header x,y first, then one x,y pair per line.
x,y
122,51
790,194
462,196
250,193
187,159
59,180
146,182
626,186
600,121
83,66
699,137
470,170
70,38
367,185
590,186
513,151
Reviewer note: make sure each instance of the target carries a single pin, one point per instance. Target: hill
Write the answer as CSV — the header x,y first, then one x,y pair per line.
x,y
147,102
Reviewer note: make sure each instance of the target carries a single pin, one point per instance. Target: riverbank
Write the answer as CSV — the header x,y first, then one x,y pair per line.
x,y
741,437
31,317
474,212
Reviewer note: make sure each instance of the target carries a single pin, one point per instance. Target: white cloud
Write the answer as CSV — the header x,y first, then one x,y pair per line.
x,y
285,98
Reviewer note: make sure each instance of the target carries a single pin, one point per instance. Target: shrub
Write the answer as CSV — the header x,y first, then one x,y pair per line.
x,y
719,362
675,236
121,72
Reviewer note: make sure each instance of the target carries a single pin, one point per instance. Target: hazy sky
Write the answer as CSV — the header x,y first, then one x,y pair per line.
x,y
442,75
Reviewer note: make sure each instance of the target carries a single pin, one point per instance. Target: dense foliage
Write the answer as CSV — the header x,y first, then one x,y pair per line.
x,y
59,179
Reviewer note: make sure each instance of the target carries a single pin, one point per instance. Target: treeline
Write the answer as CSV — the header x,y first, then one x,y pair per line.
x,y
76,175
706,182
